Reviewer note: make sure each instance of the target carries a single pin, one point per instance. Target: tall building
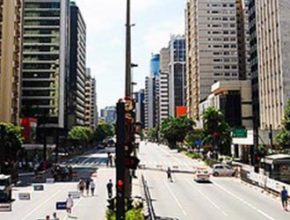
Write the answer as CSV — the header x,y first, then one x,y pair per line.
x,y
45,60
243,35
140,108
211,48
164,84
154,65
109,114
90,100
151,102
10,58
254,69
177,73
77,73
273,46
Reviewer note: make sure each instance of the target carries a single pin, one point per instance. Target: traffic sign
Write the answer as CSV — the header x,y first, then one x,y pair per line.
x,y
24,196
38,187
61,205
239,133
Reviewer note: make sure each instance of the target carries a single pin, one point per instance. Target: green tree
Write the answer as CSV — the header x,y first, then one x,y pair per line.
x,y
174,130
152,134
11,140
103,131
283,137
80,135
217,132
192,136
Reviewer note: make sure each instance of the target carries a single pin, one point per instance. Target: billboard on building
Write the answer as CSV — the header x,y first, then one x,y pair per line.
x,y
181,111
29,126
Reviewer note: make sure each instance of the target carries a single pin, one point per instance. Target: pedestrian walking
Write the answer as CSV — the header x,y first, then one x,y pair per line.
x,y
284,198
169,176
110,189
69,204
81,187
88,181
47,217
92,186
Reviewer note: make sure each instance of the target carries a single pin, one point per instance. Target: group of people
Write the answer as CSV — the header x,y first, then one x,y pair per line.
x,y
62,173
87,185
54,217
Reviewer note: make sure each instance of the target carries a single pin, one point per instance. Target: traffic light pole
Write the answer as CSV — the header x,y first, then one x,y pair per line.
x,y
120,160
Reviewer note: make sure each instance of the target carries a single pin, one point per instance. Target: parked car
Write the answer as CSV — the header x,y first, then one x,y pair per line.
x,y
222,170
5,188
202,175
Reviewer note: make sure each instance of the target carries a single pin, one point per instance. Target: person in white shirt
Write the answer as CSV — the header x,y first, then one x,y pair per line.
x,y
69,204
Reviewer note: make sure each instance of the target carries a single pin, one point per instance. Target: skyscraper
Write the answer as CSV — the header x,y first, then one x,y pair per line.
x,y
45,60
77,73
140,108
10,58
90,100
177,73
163,84
273,46
211,47
155,65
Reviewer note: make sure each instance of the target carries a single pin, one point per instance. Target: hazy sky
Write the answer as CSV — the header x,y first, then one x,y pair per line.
x,y
105,20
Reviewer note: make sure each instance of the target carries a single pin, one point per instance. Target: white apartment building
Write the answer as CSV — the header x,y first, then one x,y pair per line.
x,y
273,45
163,86
211,47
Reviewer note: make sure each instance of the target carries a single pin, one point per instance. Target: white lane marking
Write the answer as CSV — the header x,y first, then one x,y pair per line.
x,y
207,198
174,197
43,203
243,201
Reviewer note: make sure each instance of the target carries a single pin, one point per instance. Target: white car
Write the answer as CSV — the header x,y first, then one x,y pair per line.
x,y
222,170
202,175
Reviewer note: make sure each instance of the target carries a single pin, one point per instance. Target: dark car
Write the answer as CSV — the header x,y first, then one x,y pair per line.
x,y
5,188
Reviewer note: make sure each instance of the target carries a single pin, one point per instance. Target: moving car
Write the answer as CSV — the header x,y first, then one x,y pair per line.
x,y
223,170
202,175
5,188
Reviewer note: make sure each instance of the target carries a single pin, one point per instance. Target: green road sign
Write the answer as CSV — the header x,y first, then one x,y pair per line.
x,y
239,133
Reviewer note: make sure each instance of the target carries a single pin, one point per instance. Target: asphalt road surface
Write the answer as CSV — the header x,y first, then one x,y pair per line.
x,y
185,199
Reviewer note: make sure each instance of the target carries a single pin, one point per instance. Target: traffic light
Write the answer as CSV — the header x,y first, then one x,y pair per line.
x,y
131,162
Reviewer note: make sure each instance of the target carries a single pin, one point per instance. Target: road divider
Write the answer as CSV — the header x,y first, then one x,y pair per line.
x,y
49,180
24,196
75,194
38,187
5,207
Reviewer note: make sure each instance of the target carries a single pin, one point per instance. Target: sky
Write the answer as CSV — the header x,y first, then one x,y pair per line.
x,y
155,21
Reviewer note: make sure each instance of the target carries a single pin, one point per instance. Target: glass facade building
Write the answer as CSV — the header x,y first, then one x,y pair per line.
x,y
155,65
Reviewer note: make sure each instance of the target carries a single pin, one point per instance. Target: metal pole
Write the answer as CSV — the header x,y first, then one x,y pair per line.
x,y
128,53
120,160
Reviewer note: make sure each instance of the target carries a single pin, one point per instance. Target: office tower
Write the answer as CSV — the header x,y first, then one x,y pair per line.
x,y
45,60
10,58
109,114
177,73
140,109
273,46
243,35
211,48
155,65
77,73
90,100
163,85
152,93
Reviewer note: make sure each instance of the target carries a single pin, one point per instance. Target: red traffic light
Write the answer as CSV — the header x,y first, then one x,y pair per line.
x,y
120,183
